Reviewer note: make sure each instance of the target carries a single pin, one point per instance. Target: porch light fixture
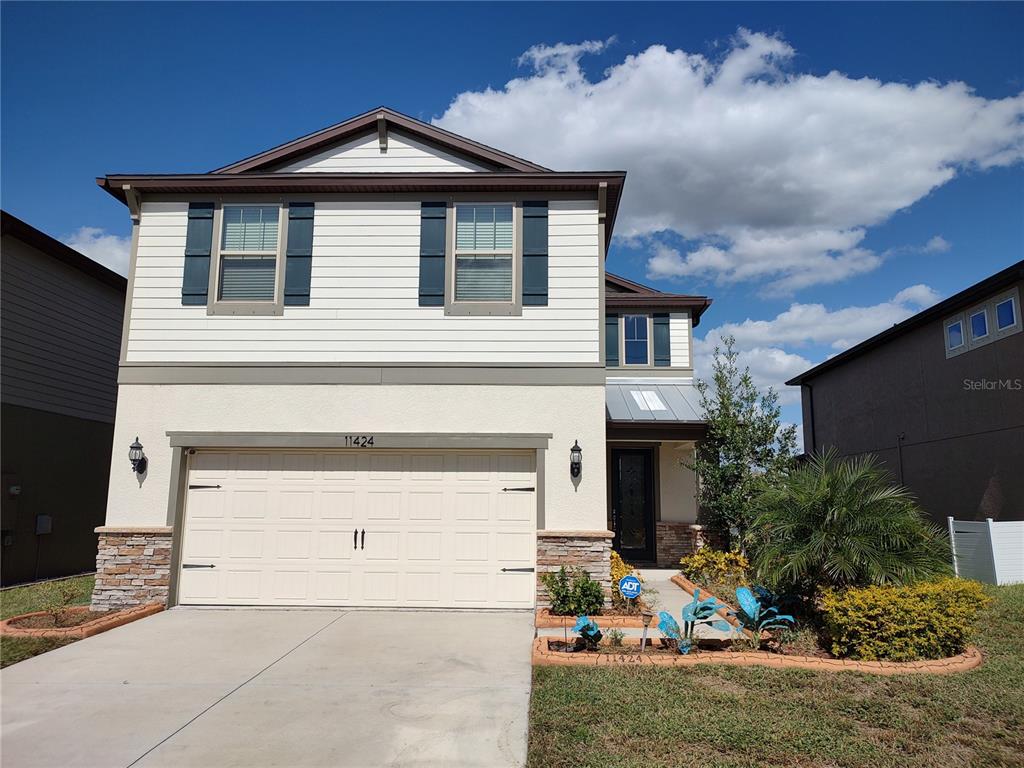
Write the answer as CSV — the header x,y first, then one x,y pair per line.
x,y
137,457
575,459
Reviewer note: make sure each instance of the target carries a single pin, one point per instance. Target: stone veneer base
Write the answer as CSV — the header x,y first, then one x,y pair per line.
x,y
543,656
133,567
590,550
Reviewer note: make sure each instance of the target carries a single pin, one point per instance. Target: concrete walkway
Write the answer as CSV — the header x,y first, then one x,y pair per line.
x,y
278,688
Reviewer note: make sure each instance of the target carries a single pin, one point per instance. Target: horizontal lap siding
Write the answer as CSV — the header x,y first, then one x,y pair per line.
x,y
364,298
363,155
679,339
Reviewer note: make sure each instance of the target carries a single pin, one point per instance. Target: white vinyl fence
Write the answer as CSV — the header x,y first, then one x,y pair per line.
x,y
988,551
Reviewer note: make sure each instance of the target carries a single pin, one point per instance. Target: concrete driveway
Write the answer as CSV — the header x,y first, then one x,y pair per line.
x,y
193,687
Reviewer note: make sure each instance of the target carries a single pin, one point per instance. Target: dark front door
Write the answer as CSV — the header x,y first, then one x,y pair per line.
x,y
632,471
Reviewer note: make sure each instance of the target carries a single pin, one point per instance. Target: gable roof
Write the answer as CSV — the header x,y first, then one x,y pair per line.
x,y
367,122
976,292
631,296
12,226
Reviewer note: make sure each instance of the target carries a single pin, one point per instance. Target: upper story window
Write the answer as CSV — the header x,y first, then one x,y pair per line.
x,y
635,336
1006,314
249,245
983,323
484,252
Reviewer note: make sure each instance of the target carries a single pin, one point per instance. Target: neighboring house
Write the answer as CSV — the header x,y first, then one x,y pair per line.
x,y
939,398
358,364
60,332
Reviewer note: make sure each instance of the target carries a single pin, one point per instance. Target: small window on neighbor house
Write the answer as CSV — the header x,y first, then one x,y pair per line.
x,y
1006,314
979,325
483,252
954,335
248,252
635,336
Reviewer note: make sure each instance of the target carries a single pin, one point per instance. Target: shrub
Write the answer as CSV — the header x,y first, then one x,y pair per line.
x,y
708,565
929,620
56,598
620,568
573,594
615,637
842,523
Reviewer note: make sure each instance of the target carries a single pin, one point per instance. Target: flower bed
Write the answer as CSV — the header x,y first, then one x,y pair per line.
x,y
33,624
545,619
545,654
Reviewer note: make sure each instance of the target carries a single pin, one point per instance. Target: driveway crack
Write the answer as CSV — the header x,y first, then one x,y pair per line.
x,y
235,689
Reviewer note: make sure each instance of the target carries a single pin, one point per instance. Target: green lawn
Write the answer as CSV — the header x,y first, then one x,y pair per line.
x,y
708,716
18,600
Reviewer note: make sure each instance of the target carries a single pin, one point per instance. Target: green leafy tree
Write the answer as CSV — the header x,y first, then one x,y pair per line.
x,y
745,445
843,523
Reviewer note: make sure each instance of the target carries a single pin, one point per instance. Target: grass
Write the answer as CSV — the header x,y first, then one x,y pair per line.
x,y
708,716
19,600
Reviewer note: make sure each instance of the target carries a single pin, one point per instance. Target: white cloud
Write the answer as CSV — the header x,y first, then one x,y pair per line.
x,y
763,343
99,245
937,244
774,174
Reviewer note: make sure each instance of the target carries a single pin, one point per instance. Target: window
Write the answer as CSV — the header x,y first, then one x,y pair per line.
x,y
1006,314
954,335
635,337
484,251
248,253
979,325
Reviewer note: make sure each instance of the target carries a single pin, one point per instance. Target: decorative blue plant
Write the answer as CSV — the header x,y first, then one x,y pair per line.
x,y
696,612
587,629
757,615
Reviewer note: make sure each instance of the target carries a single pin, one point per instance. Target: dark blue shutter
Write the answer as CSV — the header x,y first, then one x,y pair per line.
x,y
433,223
198,244
535,254
611,341
662,351
298,263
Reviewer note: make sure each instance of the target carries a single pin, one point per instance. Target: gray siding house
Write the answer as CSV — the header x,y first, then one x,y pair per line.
x,y
939,398
60,314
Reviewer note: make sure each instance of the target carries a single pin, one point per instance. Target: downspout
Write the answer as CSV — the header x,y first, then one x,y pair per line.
x,y
810,413
899,456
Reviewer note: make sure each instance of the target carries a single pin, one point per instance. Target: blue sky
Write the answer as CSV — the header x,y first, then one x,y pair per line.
x,y
771,214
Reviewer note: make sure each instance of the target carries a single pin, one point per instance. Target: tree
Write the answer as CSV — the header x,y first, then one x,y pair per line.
x,y
745,445
842,523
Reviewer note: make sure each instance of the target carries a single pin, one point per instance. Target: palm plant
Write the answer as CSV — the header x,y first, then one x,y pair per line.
x,y
841,522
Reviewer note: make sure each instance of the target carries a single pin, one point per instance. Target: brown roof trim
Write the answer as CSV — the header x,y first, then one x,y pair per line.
x,y
974,293
642,298
14,227
284,183
366,123
655,430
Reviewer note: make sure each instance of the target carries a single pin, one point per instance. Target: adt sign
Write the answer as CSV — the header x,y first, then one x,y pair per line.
x,y
630,587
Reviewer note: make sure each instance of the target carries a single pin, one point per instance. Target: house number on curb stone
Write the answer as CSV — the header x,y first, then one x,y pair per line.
x,y
630,587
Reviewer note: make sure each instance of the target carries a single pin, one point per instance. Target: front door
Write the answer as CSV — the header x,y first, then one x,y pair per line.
x,y
632,481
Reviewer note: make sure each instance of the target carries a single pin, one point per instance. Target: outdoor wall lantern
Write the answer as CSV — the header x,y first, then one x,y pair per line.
x,y
575,459
137,457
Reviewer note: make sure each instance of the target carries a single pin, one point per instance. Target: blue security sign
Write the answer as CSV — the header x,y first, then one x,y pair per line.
x,y
630,587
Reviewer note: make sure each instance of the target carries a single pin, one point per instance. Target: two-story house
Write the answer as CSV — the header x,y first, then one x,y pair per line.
x,y
379,365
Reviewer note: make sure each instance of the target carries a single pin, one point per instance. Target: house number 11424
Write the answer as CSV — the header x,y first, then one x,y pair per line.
x,y
359,441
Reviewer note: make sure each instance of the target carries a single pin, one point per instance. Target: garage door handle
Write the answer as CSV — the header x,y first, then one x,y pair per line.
x,y
355,539
517,570
362,544
193,487
531,488
196,565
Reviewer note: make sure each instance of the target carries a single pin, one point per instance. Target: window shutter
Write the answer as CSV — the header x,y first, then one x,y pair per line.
x,y
611,341
662,350
433,223
535,254
198,244
298,264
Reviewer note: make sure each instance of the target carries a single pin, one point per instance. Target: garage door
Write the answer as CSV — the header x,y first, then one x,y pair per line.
x,y
370,527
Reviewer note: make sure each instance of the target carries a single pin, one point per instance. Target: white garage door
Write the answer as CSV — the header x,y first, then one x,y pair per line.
x,y
367,527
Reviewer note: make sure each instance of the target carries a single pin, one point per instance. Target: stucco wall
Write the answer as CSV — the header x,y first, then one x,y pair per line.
x,y
567,412
678,503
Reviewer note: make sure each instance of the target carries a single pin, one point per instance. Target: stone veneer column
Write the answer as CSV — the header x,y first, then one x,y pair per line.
x,y
133,567
674,540
590,550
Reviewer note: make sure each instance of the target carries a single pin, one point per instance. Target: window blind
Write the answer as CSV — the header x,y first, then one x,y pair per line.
x,y
483,228
247,278
250,228
483,278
